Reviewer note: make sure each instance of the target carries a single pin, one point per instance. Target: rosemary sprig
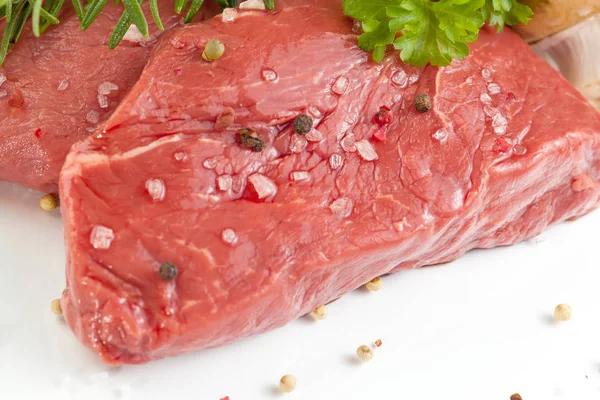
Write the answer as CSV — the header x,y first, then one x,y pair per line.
x,y
44,13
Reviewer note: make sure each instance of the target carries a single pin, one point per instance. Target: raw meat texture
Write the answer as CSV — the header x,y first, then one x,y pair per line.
x,y
508,148
57,78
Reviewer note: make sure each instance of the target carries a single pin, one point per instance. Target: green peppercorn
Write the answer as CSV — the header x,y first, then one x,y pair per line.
x,y
168,271
303,124
249,138
422,102
214,50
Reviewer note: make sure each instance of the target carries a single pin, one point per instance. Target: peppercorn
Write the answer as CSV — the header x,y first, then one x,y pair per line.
x,y
563,312
378,343
364,353
49,202
374,284
303,124
249,138
384,116
422,102
287,383
168,271
214,50
55,307
516,396
320,312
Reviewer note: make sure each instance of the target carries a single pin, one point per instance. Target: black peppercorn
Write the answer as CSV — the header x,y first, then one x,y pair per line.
x,y
303,124
249,138
168,271
422,102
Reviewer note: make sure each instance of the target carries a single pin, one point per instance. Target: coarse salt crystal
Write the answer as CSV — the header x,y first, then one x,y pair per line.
x,y
62,85
101,237
298,144
487,74
229,236
133,34
92,117
210,163
400,79
485,98
253,5
440,135
314,136
520,150
156,189
229,15
494,88
107,87
366,151
180,156
225,182
269,75
499,120
348,143
341,85
500,130
335,161
342,207
2,79
299,176
264,186
102,101
414,78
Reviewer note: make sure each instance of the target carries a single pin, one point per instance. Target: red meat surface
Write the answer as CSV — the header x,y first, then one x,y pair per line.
x,y
261,238
50,97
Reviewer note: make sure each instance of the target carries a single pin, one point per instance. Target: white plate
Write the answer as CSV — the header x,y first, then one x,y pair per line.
x,y
480,328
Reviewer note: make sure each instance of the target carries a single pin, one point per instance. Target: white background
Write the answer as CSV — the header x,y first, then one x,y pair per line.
x,y
480,328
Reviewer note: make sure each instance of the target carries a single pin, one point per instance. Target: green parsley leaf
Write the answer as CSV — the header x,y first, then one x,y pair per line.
x,y
428,31
506,12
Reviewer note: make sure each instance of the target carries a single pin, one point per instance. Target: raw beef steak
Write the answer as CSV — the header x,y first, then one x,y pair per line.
x,y
260,238
56,89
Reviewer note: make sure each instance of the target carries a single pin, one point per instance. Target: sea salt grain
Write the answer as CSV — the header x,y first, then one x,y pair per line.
x,y
341,85
133,34
485,98
2,79
342,207
107,87
500,130
92,117
102,101
225,182
499,121
252,5
366,150
229,236
156,189
62,85
440,135
269,75
229,15
299,176
298,144
335,161
414,78
348,143
210,163
179,156
494,88
314,136
264,186
400,79
520,150
101,237
487,75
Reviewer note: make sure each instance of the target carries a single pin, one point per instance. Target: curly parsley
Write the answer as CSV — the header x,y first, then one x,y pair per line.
x,y
427,31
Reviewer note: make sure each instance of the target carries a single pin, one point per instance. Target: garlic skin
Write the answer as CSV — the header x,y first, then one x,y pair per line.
x,y
575,52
